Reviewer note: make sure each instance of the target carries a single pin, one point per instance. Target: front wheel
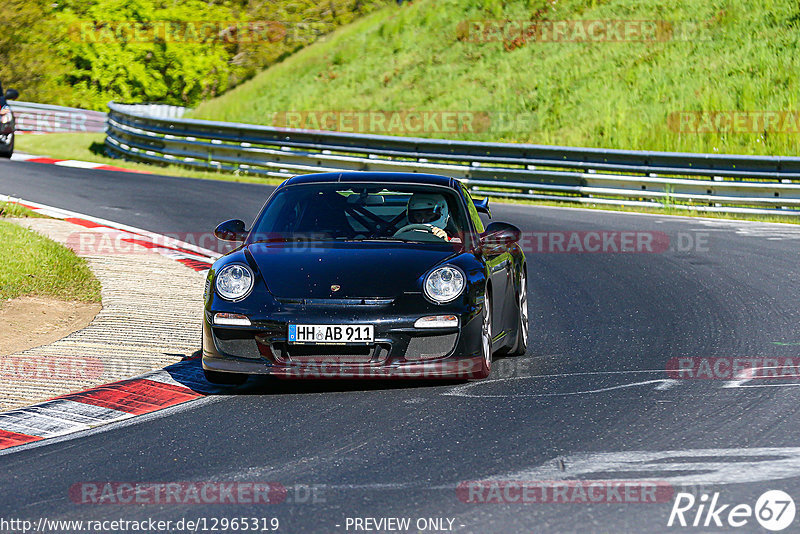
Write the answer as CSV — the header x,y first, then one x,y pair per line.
x,y
486,338
521,344
226,379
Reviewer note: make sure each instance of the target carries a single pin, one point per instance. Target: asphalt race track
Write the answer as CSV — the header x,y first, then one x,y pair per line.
x,y
588,401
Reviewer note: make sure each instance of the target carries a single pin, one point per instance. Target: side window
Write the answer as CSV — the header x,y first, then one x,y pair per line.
x,y
473,213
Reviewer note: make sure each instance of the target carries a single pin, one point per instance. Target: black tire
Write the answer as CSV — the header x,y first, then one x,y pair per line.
x,y
521,343
486,343
10,149
226,379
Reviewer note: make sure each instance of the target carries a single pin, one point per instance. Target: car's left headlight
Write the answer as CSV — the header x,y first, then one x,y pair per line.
x,y
6,116
234,282
444,284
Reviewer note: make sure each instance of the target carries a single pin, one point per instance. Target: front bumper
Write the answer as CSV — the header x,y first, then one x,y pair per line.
x,y
400,350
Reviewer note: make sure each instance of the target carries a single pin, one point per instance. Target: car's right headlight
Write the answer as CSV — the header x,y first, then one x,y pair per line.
x,y
234,282
444,284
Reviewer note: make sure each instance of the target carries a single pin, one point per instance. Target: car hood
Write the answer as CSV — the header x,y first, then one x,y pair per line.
x,y
361,270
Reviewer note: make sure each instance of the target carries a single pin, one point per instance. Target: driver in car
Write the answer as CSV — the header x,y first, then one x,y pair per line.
x,y
430,211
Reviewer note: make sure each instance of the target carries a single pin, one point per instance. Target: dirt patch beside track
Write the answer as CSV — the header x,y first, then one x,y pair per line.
x,y
151,317
30,322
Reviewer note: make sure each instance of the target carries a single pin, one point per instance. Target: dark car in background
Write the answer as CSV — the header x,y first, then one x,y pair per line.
x,y
7,123
365,275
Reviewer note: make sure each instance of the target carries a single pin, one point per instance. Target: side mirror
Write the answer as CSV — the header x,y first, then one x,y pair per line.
x,y
500,235
233,230
12,94
482,206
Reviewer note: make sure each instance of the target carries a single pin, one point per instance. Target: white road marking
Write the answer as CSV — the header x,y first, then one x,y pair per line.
x,y
131,420
58,418
677,467
745,375
769,231
21,156
749,374
77,164
688,466
78,411
464,390
667,384
662,216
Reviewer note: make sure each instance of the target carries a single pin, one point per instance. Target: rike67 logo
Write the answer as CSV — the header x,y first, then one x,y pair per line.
x,y
774,510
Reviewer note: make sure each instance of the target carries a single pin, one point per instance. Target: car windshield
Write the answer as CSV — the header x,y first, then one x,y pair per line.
x,y
360,212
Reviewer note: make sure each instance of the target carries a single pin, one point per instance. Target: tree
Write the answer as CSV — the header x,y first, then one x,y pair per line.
x,y
27,62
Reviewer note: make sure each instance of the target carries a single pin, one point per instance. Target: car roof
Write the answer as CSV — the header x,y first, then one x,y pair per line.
x,y
378,177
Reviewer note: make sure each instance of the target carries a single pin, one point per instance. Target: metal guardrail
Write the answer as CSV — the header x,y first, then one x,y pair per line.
x,y
156,111
702,182
32,117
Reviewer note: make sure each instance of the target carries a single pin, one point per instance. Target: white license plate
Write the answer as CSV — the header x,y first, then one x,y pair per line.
x,y
331,333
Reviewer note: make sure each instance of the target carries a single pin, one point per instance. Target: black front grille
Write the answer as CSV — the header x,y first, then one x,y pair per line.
x,y
336,302
332,354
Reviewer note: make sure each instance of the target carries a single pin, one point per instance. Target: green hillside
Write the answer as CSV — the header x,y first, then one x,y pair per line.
x,y
86,52
708,56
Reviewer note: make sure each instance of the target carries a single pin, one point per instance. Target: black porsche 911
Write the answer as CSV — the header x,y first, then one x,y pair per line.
x,y
365,275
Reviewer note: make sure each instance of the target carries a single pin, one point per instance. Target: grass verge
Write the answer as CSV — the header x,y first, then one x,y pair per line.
x,y
562,89
34,265
12,209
